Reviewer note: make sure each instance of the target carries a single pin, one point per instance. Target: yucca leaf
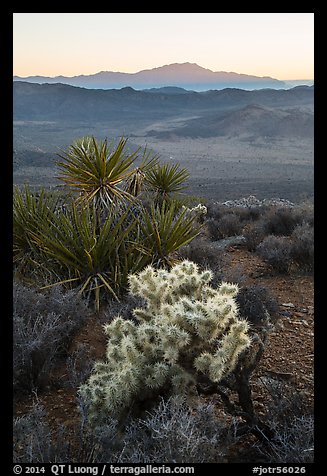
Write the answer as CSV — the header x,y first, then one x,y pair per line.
x,y
164,231
165,180
96,170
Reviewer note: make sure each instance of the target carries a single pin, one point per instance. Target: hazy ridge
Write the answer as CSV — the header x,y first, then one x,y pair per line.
x,y
57,101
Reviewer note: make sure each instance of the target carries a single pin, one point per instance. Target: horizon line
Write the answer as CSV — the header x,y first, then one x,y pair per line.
x,y
156,67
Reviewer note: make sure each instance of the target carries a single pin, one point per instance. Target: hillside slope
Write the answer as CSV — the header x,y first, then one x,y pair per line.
x,y
254,120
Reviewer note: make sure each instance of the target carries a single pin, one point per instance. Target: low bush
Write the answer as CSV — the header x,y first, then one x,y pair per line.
x,y
290,415
214,210
43,328
294,443
32,437
250,214
276,251
228,225
281,221
172,432
253,233
256,304
36,441
302,250
175,433
79,365
203,252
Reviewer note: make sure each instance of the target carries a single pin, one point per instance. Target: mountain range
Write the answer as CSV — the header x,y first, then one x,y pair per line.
x,y
184,75
62,102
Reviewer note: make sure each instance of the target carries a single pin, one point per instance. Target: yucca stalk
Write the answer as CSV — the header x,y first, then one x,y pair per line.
x,y
165,180
165,230
96,170
95,258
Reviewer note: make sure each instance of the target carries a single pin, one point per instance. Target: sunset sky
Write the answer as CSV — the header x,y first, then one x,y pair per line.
x,y
280,45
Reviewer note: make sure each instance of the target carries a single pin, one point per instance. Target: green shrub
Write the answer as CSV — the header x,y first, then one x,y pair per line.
x,y
30,211
186,329
96,241
95,256
164,230
97,170
166,180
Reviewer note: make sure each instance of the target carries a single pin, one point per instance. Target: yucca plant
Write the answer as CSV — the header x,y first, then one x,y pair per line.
x,y
165,180
165,229
30,211
97,170
136,182
92,257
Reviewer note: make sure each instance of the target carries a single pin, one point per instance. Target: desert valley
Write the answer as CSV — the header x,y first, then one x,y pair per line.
x,y
234,142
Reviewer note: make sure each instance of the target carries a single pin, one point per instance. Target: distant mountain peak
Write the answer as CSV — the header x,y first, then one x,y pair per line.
x,y
186,75
187,66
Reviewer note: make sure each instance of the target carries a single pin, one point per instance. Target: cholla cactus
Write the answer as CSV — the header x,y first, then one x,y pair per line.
x,y
198,210
186,328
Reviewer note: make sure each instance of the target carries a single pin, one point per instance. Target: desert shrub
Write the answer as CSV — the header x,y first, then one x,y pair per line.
x,y
253,233
256,304
302,250
35,441
289,414
32,437
306,210
202,252
249,214
186,329
123,308
172,432
294,443
214,210
43,327
228,225
281,221
79,365
175,433
276,251
245,213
